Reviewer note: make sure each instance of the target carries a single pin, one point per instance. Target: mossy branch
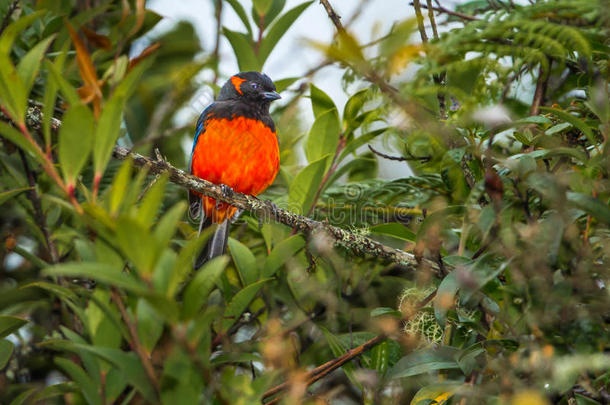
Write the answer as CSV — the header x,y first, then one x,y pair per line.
x,y
263,209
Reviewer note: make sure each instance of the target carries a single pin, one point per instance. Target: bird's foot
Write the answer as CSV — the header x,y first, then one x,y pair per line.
x,y
227,192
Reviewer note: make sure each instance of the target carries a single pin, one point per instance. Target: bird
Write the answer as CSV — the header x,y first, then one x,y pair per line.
x,y
235,146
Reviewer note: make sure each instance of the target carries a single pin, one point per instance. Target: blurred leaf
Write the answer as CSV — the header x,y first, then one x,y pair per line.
x,y
278,29
581,125
109,124
435,393
241,13
281,253
262,6
6,350
55,390
68,91
21,398
166,227
86,384
557,128
395,230
243,50
119,186
28,65
10,324
283,84
138,244
75,142
591,205
240,302
50,96
355,143
197,291
152,201
323,137
184,262
385,311
7,195
101,272
13,92
86,68
320,101
380,356
244,261
129,363
338,349
425,361
445,296
150,325
303,189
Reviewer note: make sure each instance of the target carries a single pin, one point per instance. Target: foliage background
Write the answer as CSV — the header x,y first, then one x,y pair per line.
x,y
510,199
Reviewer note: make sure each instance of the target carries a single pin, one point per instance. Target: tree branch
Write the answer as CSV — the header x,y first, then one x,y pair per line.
x,y
265,210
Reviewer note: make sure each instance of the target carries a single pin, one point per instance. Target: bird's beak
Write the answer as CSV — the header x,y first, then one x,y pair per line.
x,y
271,95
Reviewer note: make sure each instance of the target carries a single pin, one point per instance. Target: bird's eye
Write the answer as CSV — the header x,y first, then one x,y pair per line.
x,y
254,86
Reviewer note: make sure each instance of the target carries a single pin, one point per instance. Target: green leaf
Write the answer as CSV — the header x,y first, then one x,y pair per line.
x,y
13,93
6,351
18,139
68,91
84,382
55,390
109,124
380,357
394,230
278,29
261,6
50,95
304,187
28,65
386,311
274,10
199,288
119,186
445,297
281,253
283,84
7,195
21,398
578,123
75,141
101,272
128,363
184,262
138,244
535,119
425,361
166,227
243,49
150,325
55,289
338,349
241,13
557,128
152,201
593,206
323,137
354,105
355,143
320,101
244,261
10,324
240,302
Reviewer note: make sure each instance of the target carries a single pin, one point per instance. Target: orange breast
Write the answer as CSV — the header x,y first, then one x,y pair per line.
x,y
242,153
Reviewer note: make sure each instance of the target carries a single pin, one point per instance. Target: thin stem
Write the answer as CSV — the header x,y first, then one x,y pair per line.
x,y
135,343
41,219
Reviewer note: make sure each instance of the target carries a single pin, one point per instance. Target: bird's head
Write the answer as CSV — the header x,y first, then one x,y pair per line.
x,y
251,87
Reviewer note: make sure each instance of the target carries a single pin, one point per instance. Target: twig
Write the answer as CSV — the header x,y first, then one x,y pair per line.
x,y
334,17
135,340
420,21
328,367
7,17
444,10
41,219
541,85
399,158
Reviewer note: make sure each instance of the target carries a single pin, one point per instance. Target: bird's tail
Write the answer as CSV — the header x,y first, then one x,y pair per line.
x,y
216,245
